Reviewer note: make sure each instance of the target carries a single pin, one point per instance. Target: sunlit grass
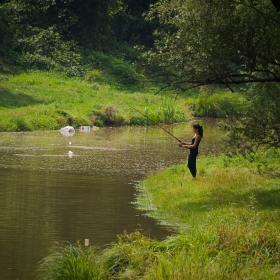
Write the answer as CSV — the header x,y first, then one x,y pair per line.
x,y
217,104
223,185
46,100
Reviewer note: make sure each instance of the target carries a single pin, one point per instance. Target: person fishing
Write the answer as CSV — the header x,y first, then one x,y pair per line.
x,y
193,146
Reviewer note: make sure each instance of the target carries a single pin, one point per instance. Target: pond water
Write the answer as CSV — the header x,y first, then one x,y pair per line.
x,y
49,196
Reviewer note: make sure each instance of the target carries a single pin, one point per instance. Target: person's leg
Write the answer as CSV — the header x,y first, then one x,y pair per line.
x,y
192,164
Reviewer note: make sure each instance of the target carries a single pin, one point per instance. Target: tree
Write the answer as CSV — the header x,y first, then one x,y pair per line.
x,y
259,123
39,28
231,42
130,25
86,21
202,42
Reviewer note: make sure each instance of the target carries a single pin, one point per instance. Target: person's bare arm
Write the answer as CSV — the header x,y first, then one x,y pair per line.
x,y
190,145
186,143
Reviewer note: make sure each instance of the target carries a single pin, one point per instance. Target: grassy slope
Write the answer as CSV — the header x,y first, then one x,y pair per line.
x,y
45,101
228,220
225,187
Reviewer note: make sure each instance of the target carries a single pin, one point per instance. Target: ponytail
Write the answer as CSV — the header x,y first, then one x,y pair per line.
x,y
199,128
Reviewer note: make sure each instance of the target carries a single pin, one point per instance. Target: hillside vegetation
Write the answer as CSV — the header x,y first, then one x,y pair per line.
x,y
46,100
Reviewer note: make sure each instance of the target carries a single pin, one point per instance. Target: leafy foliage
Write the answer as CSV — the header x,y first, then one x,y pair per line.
x,y
52,34
259,124
216,42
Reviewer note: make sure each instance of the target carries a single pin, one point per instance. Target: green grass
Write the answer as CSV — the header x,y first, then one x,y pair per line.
x,y
47,100
70,262
226,187
227,226
217,104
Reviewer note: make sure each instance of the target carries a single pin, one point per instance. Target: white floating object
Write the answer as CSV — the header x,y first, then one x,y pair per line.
x,y
85,128
70,153
70,143
67,130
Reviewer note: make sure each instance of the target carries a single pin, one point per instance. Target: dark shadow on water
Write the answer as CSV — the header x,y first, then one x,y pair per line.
x,y
13,100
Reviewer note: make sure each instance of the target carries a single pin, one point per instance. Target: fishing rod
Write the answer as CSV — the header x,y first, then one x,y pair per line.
x,y
154,123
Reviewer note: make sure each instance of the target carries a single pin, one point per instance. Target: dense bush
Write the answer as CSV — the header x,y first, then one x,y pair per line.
x,y
116,70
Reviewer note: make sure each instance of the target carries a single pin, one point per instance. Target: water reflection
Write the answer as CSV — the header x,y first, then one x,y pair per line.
x,y
47,196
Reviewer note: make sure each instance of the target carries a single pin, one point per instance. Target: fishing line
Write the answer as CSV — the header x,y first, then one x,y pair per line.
x,y
154,123
185,169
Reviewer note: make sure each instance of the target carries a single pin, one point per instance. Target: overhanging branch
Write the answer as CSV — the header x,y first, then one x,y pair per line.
x,y
227,80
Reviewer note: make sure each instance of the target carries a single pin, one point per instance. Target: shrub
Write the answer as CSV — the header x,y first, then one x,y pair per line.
x,y
110,116
115,69
44,123
259,124
8,125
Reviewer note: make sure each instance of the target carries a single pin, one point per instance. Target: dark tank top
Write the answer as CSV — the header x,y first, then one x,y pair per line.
x,y
194,150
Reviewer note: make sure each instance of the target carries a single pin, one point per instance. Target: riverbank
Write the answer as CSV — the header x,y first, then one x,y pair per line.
x,y
227,226
47,101
226,185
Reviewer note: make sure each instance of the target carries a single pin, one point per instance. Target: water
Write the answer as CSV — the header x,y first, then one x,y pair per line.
x,y
48,195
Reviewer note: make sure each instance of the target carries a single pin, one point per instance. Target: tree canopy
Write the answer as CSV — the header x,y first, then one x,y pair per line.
x,y
202,42
40,32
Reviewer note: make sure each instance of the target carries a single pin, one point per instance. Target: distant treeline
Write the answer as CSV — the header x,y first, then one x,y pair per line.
x,y
61,34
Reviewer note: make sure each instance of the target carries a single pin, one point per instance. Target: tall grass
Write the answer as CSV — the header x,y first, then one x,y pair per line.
x,y
227,251
70,262
217,105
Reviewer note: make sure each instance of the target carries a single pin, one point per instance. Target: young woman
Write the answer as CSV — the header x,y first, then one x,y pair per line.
x,y
193,146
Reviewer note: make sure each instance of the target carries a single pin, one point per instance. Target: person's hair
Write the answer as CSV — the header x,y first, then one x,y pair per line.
x,y
199,128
